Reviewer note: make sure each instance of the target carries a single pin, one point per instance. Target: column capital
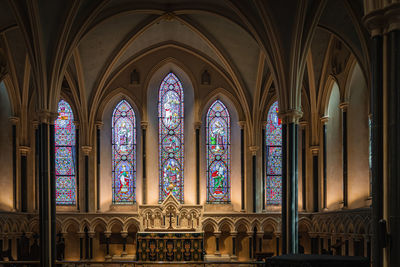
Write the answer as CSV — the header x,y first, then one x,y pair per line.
x,y
77,124
314,150
260,234
197,125
24,150
303,123
13,120
250,233
107,234
144,125
86,150
233,234
324,119
290,116
99,124
47,116
242,124
91,234
35,124
253,150
392,16
81,234
217,234
124,234
343,106
374,21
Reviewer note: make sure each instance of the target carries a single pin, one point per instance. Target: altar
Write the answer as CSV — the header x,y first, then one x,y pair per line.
x,y
171,231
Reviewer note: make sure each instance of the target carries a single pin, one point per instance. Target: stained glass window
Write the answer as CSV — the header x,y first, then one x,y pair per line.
x,y
171,150
218,153
273,130
124,154
64,129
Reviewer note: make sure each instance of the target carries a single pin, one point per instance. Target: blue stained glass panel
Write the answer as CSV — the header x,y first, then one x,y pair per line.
x,y
64,133
218,153
171,137
273,171
124,154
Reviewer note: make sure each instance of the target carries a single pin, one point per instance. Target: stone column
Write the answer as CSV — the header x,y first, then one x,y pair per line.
x,y
144,125
277,236
81,241
242,125
343,106
290,239
86,151
124,235
253,150
324,121
234,245
303,125
374,22
250,235
260,237
24,152
197,127
315,160
217,238
77,174
91,235
107,235
99,125
14,122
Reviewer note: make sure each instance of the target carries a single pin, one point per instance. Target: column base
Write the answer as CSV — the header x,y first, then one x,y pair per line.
x,y
107,258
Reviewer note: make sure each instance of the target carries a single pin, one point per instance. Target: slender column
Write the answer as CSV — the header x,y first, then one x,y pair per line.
x,y
37,148
264,171
260,236
284,190
47,205
81,239
277,244
14,121
107,235
324,121
234,238
197,129
374,23
242,184
91,236
77,165
24,150
86,151
253,150
303,125
393,56
124,235
343,106
250,235
144,161
315,151
217,237
99,125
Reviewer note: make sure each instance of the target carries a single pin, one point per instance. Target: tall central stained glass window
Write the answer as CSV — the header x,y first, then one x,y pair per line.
x,y
171,137
218,153
64,132
273,130
124,154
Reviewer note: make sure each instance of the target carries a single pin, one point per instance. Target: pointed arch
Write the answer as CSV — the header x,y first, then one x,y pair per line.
x,y
171,137
273,156
65,155
124,154
218,140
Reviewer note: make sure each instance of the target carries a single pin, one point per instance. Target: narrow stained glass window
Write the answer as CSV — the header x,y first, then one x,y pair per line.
x,y
64,129
171,149
218,153
124,154
273,130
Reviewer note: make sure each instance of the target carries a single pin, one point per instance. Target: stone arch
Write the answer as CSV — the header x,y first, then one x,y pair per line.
x,y
115,222
242,223
131,222
270,222
209,224
226,222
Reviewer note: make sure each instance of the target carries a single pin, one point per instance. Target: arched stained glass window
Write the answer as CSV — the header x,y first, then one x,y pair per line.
x,y
171,140
218,153
124,154
64,129
273,130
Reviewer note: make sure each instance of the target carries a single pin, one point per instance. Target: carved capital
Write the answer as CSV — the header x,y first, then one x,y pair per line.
x,y
107,234
35,124
392,16
290,116
86,150
46,116
99,124
13,120
233,233
197,125
344,105
324,119
374,22
242,124
314,150
24,150
217,234
144,125
253,150
124,234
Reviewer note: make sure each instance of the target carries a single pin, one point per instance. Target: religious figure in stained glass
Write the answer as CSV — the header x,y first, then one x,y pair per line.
x,y
218,153
273,130
171,149
64,130
124,153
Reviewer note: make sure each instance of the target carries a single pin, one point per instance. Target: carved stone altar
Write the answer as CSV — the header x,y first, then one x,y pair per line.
x,y
171,216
